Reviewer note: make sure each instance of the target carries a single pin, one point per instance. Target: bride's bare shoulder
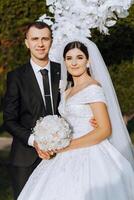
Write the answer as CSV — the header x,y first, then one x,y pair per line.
x,y
68,90
94,82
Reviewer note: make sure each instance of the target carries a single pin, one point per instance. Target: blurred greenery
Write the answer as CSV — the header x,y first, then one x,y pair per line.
x,y
116,48
132,137
123,79
14,17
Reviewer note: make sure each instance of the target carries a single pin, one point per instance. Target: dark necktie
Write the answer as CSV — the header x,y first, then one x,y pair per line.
x,y
46,86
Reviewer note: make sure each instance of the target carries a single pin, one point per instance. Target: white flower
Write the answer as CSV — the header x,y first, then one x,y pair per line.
x,y
49,2
51,9
46,19
52,132
110,23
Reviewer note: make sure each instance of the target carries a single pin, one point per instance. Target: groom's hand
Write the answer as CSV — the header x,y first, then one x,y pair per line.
x,y
47,154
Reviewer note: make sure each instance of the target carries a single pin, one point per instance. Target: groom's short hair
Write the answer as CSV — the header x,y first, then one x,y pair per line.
x,y
39,25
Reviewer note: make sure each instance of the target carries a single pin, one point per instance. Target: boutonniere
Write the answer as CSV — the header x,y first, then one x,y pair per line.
x,y
58,73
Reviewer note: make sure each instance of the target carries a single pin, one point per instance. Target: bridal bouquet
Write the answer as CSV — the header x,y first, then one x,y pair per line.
x,y
52,132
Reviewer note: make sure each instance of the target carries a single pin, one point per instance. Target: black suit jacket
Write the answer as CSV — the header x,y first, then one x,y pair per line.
x,y
23,106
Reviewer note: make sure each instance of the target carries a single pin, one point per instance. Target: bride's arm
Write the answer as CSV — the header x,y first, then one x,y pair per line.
x,y
102,131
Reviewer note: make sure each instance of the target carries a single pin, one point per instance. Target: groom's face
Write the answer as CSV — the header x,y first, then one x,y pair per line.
x,y
38,41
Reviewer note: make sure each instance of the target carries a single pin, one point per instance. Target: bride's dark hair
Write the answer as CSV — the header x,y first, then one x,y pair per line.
x,y
81,47
78,45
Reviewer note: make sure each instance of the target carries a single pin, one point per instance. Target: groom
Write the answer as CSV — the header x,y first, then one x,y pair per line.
x,y
32,92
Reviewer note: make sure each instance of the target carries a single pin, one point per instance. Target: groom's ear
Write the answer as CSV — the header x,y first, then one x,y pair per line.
x,y
26,43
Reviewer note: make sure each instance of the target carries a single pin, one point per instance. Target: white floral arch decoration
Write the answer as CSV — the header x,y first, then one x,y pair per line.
x,y
80,16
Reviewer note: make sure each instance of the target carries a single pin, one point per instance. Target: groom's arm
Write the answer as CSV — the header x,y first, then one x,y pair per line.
x,y
11,113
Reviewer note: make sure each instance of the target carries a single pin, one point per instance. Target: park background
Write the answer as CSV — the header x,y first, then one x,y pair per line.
x,y
117,49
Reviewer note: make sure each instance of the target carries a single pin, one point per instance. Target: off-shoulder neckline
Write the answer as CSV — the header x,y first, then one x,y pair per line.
x,y
67,98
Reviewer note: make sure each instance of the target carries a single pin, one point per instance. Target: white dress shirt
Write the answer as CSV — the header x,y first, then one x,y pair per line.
x,y
36,69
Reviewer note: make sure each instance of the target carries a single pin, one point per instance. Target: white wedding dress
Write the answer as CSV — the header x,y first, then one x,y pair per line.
x,y
97,172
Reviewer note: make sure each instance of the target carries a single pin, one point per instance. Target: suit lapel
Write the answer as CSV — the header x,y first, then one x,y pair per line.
x,y
31,79
55,77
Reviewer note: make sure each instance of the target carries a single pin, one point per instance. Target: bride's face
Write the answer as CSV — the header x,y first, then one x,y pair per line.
x,y
76,62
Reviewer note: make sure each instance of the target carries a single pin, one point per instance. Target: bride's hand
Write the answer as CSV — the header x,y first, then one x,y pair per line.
x,y
62,150
67,148
42,154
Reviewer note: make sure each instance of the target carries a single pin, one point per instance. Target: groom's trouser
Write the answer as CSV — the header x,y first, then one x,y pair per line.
x,y
19,177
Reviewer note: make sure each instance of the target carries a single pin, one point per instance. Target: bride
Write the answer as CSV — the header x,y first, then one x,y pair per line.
x,y
98,163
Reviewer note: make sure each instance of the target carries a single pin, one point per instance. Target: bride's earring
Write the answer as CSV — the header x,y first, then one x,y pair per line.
x,y
87,65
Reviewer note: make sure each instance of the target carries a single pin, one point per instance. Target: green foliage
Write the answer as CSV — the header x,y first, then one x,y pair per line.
x,y
15,15
118,52
123,79
118,45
